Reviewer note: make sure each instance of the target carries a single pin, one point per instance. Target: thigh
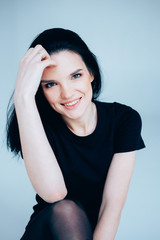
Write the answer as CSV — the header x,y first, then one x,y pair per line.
x,y
44,224
37,228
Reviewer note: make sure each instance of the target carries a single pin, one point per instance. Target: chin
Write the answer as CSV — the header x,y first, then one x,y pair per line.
x,y
72,116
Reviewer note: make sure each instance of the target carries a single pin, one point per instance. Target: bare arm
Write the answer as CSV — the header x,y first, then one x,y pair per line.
x,y
40,161
114,195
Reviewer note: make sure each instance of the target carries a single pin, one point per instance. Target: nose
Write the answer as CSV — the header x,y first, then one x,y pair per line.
x,y
66,91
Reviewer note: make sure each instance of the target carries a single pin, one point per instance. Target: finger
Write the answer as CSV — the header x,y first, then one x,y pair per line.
x,y
40,56
47,63
40,49
37,50
31,51
28,52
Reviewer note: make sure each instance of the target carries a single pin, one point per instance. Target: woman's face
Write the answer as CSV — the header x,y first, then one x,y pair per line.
x,y
67,86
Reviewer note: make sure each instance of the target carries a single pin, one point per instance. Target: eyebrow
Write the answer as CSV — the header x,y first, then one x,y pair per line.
x,y
78,70
71,74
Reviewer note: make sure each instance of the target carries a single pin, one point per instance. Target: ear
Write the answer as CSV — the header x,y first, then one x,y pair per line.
x,y
92,77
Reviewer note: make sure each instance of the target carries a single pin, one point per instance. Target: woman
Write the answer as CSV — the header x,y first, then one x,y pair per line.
x,y
79,153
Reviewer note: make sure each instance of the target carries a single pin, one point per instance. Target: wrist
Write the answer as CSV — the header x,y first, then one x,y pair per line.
x,y
22,101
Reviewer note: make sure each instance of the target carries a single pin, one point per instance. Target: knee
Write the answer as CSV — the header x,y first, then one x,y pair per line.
x,y
64,208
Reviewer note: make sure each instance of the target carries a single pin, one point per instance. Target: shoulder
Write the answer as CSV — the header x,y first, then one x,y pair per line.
x,y
122,119
128,125
126,114
118,111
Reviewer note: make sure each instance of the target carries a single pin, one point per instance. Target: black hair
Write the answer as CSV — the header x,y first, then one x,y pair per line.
x,y
54,40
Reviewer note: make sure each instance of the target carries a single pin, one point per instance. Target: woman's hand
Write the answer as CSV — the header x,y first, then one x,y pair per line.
x,y
30,72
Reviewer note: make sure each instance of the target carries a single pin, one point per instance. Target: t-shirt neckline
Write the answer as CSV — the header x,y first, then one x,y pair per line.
x,y
90,137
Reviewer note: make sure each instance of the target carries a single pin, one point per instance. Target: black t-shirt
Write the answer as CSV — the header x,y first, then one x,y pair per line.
x,y
85,160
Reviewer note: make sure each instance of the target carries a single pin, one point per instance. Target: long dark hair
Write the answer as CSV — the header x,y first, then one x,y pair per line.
x,y
53,40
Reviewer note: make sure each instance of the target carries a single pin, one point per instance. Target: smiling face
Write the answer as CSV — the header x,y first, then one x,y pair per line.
x,y
67,86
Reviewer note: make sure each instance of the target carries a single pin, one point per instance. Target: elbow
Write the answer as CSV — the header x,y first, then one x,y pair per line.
x,y
55,196
60,195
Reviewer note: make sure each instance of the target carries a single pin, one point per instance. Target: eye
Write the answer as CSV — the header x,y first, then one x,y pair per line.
x,y
76,76
49,85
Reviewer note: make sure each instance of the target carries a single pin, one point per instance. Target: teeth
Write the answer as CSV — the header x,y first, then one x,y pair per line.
x,y
72,103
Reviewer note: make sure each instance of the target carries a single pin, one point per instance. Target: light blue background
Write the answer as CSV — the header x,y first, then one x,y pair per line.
x,y
125,36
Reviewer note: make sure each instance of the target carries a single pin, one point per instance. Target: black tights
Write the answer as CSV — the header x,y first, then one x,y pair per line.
x,y
64,219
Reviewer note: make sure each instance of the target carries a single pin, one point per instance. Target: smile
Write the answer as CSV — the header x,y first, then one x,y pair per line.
x,y
71,105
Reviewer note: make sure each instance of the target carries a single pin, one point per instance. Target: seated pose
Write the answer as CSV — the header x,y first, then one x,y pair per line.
x,y
79,153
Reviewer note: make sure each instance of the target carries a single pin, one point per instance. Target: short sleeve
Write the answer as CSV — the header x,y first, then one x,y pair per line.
x,y
128,130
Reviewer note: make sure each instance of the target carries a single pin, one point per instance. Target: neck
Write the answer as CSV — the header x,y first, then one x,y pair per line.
x,y
86,124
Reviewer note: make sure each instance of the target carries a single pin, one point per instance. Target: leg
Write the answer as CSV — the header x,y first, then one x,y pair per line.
x,y
61,220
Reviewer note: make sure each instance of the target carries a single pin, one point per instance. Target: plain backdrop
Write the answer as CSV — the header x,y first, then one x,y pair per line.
x,y
125,37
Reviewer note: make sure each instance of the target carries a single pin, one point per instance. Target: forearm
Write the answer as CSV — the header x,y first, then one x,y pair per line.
x,y
107,224
40,161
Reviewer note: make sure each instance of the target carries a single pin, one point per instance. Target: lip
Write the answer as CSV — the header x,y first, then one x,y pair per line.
x,y
74,106
71,101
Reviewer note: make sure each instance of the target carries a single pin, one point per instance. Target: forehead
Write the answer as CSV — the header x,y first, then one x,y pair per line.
x,y
66,63
66,56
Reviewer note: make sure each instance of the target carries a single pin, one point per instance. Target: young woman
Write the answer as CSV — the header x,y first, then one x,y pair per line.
x,y
79,153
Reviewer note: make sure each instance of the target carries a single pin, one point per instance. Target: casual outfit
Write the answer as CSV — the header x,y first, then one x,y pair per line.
x,y
85,160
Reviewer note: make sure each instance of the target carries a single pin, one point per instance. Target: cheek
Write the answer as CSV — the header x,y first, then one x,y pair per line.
x,y
85,86
51,96
88,88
